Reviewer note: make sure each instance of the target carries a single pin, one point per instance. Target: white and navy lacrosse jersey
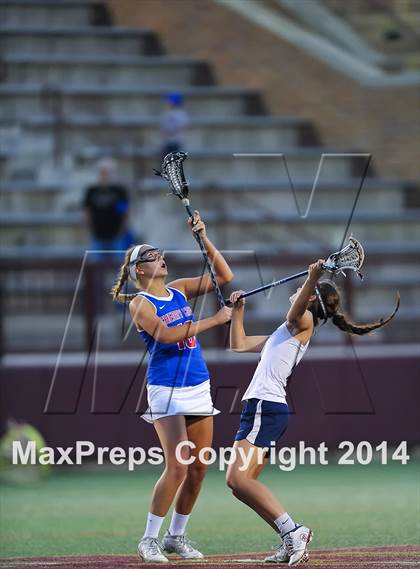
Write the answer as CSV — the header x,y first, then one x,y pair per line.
x,y
174,365
280,355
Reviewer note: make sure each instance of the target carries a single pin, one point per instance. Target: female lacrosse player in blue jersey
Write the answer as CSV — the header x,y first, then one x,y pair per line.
x,y
265,413
178,386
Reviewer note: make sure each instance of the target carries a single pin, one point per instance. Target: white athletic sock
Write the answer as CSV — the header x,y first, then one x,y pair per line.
x,y
285,524
153,525
178,523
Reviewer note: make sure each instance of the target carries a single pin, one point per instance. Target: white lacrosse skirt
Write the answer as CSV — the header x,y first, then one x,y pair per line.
x,y
167,401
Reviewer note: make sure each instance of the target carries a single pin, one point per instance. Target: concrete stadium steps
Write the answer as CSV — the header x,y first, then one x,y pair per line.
x,y
19,336
85,70
93,40
405,256
18,332
382,256
50,13
17,164
18,102
138,163
301,162
376,303
248,133
374,299
106,86
248,278
402,329
373,292
279,195
236,230
42,229
377,193
328,226
31,196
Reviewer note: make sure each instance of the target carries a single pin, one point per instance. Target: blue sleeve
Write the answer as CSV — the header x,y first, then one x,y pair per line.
x,y
122,207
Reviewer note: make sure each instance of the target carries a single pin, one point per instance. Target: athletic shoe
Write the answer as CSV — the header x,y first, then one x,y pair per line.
x,y
296,543
281,555
150,550
181,545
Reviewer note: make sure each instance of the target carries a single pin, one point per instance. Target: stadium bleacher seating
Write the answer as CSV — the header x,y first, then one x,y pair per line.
x,y
75,88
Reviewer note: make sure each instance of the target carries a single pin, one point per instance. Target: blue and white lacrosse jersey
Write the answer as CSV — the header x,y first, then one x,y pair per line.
x,y
174,365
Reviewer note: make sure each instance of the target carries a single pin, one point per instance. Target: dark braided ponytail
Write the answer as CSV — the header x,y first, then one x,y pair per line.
x,y
122,279
331,298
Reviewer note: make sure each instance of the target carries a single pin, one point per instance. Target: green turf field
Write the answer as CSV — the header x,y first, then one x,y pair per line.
x,y
103,512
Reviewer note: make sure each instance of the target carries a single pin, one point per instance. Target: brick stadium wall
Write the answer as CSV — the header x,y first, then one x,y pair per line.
x,y
373,399
381,121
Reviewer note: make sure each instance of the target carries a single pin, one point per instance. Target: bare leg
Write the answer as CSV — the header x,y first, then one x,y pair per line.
x,y
171,431
200,432
248,489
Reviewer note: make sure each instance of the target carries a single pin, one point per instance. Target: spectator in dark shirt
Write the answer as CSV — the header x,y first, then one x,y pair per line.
x,y
106,204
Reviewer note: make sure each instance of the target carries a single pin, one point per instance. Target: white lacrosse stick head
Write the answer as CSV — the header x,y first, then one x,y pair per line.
x,y
173,172
351,257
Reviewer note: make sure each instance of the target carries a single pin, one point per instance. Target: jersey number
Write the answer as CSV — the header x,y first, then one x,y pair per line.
x,y
190,343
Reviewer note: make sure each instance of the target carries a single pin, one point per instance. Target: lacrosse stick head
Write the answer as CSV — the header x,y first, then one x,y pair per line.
x,y
351,257
173,172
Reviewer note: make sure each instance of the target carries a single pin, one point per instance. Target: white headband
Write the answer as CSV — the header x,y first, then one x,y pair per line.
x,y
136,254
321,302
133,257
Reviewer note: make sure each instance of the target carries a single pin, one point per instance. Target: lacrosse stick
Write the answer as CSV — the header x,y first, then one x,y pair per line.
x,y
351,257
173,172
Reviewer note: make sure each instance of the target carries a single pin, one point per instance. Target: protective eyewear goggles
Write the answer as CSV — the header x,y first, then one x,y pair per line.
x,y
149,256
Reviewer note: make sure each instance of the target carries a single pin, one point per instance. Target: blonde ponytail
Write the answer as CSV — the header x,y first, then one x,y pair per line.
x,y
122,280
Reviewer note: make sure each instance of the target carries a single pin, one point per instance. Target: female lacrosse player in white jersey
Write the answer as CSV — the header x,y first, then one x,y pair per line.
x,y
178,385
265,413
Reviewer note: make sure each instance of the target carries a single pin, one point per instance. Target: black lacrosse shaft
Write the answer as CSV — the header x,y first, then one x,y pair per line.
x,y
271,285
207,261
